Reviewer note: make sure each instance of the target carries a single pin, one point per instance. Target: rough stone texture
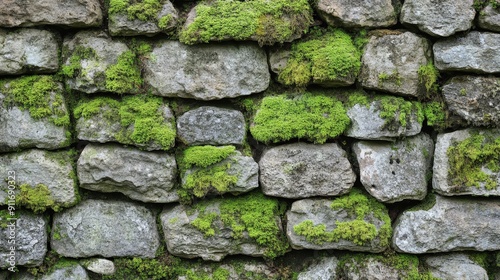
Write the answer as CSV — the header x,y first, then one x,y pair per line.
x,y
73,272
209,125
100,266
144,176
323,269
474,98
358,13
31,240
451,224
473,52
105,228
438,18
278,59
390,63
392,172
302,170
441,178
91,78
72,13
241,269
21,131
206,72
33,167
28,51
120,25
454,266
489,18
371,269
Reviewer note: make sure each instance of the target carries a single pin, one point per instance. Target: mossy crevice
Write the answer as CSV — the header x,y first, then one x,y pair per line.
x,y
143,10
428,76
37,198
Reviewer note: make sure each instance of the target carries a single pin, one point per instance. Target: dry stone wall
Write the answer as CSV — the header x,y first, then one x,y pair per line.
x,y
257,139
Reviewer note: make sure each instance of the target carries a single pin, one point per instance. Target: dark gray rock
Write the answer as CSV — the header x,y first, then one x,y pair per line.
x,y
489,18
454,266
358,13
322,269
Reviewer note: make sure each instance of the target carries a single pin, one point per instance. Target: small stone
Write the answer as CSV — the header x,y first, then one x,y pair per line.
x,y
358,13
100,266
489,18
454,266
323,269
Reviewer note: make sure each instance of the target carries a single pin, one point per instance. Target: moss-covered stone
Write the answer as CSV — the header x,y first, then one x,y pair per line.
x,y
436,114
36,198
428,76
125,75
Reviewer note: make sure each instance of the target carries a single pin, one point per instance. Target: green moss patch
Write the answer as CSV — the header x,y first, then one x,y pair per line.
x,y
324,57
436,114
204,156
428,76
36,198
314,117
143,10
267,21
124,76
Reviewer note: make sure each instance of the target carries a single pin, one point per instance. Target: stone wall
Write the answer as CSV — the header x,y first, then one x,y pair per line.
x,y
258,139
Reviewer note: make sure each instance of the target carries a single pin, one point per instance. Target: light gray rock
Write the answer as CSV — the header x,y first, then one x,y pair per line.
x,y
474,52
73,272
206,72
100,266
30,233
372,268
34,167
476,99
28,51
105,228
451,224
211,126
358,13
445,182
323,269
391,62
489,18
140,175
438,18
74,13
454,266
392,172
303,170
278,59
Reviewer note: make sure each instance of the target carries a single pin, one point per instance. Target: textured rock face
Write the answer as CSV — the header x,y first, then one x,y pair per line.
x,y
74,13
30,236
452,224
438,18
489,18
448,181
473,52
454,266
206,72
242,269
144,176
100,266
323,269
72,272
474,98
358,13
302,170
209,125
391,63
28,51
372,269
105,228
391,172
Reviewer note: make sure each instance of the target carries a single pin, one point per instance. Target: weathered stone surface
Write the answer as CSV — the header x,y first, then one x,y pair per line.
x,y
100,266
278,59
28,51
474,98
74,13
451,224
206,72
234,270
489,18
392,172
391,62
454,266
438,18
72,272
140,175
323,269
445,182
34,167
121,25
359,13
473,52
211,126
302,170
371,268
105,228
30,235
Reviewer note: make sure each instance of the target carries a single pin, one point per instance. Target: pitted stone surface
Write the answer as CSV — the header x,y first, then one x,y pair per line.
x,y
358,13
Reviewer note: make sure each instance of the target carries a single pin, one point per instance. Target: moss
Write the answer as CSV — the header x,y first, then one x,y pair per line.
x,y
468,158
428,76
74,67
36,198
314,117
143,10
325,56
268,21
36,94
146,269
125,75
164,22
5,215
204,156
435,114
202,181
397,112
426,204
394,77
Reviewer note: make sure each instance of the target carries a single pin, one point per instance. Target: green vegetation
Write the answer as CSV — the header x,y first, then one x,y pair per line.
x,y
394,77
40,95
5,215
143,10
145,269
467,159
74,67
428,76
358,230
435,114
124,76
36,198
267,21
51,262
480,4
204,156
324,57
315,117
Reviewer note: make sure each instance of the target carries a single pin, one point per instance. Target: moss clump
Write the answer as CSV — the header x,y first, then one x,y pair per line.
x,y
124,76
324,57
428,76
204,156
394,77
435,114
467,160
74,67
37,198
5,215
144,10
40,95
253,213
314,117
358,230
267,21
146,269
